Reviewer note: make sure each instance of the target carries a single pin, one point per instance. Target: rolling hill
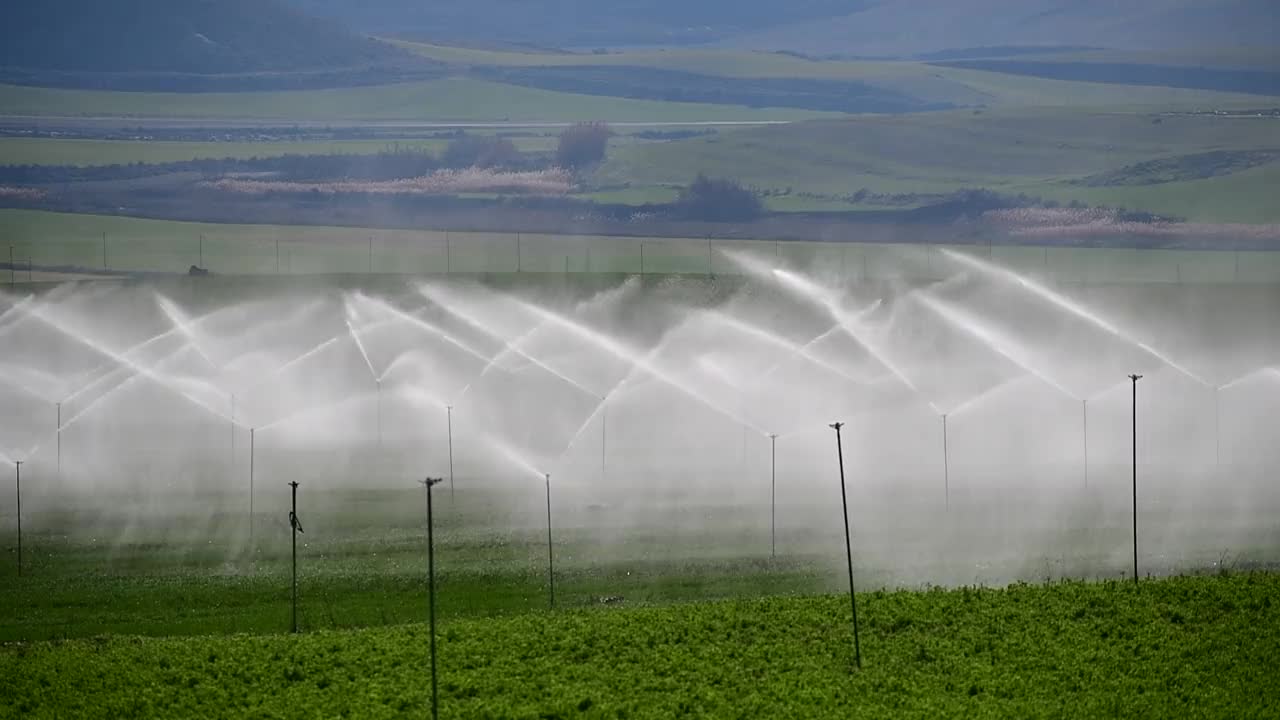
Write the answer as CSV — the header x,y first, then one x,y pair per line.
x,y
821,27
85,38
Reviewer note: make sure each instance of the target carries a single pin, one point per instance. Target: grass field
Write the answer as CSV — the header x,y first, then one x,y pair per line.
x,y
46,239
448,100
60,151
927,82
1033,151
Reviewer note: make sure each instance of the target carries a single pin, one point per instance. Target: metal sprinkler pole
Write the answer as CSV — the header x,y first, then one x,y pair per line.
x,y
551,559
946,465
848,546
604,441
17,468
1135,379
431,594
1217,429
1084,437
378,391
451,496
252,448
59,440
233,430
297,528
773,495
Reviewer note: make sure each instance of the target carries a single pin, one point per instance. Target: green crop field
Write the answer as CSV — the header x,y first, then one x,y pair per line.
x,y
448,100
1038,152
60,151
46,240
769,645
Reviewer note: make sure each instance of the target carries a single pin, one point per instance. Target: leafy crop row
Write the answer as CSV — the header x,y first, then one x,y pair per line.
x,y
1182,647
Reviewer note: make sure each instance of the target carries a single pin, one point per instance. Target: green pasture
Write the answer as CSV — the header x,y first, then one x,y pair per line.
x,y
928,82
58,240
83,153
455,99
1035,152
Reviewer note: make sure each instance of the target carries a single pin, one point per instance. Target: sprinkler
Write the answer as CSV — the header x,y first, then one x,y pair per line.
x,y
773,495
17,468
449,409
297,528
252,448
431,593
551,560
946,465
59,406
848,546
1135,379
1084,437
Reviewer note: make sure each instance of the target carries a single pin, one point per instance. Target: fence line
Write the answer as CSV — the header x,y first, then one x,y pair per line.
x,y
300,250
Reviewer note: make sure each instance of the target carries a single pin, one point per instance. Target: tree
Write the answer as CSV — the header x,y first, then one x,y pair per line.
x,y
718,200
583,145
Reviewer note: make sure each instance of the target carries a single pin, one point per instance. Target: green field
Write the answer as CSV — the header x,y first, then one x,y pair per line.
x,y
448,100
927,82
51,240
1204,647
83,153
1034,151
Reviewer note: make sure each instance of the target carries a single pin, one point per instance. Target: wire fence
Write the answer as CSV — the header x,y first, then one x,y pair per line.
x,y
298,250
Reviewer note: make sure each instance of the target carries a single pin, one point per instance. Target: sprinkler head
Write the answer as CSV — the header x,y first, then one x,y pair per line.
x,y
1135,378
430,482
836,426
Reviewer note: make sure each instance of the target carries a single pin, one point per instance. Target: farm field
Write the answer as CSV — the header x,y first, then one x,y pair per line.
x,y
1183,646
447,100
66,240
924,81
83,153
1039,152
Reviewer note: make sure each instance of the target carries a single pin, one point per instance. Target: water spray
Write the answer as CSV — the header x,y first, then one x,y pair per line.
x,y
848,545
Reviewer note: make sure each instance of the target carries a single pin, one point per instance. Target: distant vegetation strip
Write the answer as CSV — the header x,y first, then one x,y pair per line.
x,y
1232,80
1180,647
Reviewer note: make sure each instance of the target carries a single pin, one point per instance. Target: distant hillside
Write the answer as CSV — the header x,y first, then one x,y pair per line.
x,y
178,37
899,27
821,27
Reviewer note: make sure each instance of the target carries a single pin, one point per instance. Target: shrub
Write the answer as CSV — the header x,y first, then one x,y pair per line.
x,y
583,145
718,200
